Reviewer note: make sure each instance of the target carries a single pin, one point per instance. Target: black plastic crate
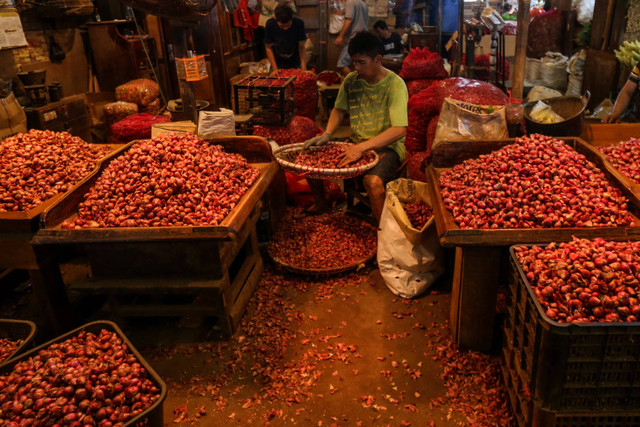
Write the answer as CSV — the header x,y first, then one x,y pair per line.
x,y
152,416
570,367
24,330
269,99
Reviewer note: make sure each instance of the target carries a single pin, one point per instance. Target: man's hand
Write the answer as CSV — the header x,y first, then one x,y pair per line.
x,y
317,140
611,119
275,73
339,40
351,154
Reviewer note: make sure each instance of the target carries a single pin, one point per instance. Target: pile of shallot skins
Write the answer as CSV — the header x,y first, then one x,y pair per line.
x,y
171,180
537,182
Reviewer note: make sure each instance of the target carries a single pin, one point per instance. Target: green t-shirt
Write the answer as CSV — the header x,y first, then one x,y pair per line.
x,y
374,108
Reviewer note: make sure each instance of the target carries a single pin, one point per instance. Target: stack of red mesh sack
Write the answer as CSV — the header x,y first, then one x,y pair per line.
x,y
299,129
421,68
424,110
137,126
484,61
143,92
305,91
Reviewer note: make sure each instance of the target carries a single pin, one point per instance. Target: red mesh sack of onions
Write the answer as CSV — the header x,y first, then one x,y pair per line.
x,y
415,86
546,34
171,180
537,182
137,126
416,166
140,91
431,133
39,164
305,94
328,157
330,78
584,280
484,61
416,137
116,111
299,129
625,157
421,63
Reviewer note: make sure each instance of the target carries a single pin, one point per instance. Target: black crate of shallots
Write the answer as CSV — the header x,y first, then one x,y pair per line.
x,y
134,399
592,365
269,99
15,337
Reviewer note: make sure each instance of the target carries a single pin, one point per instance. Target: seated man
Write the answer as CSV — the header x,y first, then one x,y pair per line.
x,y
284,40
391,41
376,100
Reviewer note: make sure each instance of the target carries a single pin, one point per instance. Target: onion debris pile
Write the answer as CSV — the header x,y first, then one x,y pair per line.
x,y
322,241
585,280
7,347
328,157
84,380
537,182
625,157
37,165
171,180
419,213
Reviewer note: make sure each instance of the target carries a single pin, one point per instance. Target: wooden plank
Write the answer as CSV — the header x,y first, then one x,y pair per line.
x,y
598,23
600,75
521,49
181,285
451,235
242,301
600,134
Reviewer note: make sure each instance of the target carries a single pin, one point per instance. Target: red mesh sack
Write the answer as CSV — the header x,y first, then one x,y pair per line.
x,y
416,166
415,86
140,91
305,91
115,111
330,78
137,126
421,63
545,34
426,103
484,62
299,129
416,138
431,133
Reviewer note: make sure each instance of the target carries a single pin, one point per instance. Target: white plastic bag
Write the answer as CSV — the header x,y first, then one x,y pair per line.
x,y
462,120
216,123
410,260
336,18
543,113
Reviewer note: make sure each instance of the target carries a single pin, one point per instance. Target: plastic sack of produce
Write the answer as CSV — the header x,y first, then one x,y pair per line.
x,y
410,260
116,111
421,63
216,123
298,129
553,70
141,91
543,113
137,126
415,86
305,91
462,120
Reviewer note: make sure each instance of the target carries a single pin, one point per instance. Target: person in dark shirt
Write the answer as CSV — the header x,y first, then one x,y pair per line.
x,y
284,40
391,41
626,94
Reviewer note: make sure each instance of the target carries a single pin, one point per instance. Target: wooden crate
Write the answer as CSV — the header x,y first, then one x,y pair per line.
x,y
481,255
221,263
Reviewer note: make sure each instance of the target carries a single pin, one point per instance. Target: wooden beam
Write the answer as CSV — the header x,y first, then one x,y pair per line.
x,y
517,88
216,57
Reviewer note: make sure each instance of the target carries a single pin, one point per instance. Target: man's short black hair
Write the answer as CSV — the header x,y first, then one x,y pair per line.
x,y
283,13
366,43
380,25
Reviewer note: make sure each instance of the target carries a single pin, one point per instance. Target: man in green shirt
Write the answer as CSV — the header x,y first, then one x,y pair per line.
x,y
376,100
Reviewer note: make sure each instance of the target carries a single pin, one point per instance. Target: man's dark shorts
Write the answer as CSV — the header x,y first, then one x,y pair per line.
x,y
387,166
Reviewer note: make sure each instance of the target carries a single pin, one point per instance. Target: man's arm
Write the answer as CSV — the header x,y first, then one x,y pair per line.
x,y
354,152
624,98
335,118
272,58
345,28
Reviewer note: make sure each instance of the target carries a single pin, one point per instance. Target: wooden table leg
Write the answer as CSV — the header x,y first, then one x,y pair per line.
x,y
473,297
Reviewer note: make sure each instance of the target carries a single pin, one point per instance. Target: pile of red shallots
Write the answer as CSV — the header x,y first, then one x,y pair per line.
x,y
171,180
419,213
7,347
328,157
585,280
84,380
322,241
37,165
625,157
537,182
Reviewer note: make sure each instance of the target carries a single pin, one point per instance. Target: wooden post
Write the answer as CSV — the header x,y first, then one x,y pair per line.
x,y
461,38
517,86
181,46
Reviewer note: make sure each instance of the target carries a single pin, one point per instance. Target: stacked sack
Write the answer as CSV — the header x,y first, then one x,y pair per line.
x,y
305,91
424,111
136,96
421,68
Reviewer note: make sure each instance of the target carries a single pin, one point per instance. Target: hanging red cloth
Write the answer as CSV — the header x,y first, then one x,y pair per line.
x,y
246,20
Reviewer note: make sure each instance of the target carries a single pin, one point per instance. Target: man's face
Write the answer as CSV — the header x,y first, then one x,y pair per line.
x,y
284,26
380,32
366,67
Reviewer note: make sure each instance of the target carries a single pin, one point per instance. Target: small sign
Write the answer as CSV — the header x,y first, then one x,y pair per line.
x,y
11,34
50,115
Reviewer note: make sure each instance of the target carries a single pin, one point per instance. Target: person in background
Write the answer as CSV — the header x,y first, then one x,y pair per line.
x,y
284,40
376,100
624,97
391,41
356,19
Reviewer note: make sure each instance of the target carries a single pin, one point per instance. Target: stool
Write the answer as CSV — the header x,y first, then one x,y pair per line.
x,y
328,95
353,192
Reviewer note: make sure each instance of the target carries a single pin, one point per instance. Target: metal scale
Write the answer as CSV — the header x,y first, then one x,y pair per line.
x,y
474,30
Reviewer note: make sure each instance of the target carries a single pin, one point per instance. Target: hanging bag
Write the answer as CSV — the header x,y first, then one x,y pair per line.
x,y
336,19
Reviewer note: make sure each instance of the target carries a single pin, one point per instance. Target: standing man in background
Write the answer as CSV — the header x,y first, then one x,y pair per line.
x,y
284,40
356,19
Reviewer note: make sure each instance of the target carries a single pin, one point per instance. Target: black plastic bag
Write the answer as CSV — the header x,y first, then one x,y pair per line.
x,y
56,54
